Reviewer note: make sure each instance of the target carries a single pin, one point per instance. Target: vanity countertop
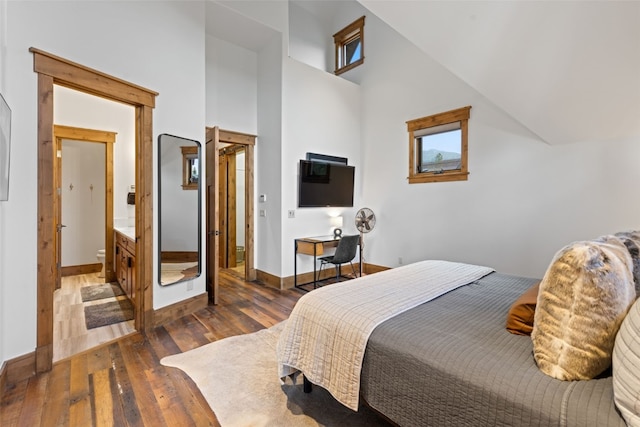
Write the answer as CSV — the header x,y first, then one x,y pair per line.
x,y
130,232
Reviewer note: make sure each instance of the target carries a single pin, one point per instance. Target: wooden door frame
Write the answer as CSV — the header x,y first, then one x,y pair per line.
x,y
107,138
216,136
53,70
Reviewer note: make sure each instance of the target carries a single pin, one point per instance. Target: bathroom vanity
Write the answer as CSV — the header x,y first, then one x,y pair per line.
x,y
125,261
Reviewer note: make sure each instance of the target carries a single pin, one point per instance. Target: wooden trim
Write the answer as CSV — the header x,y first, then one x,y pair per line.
x,y
82,134
179,256
451,116
249,141
344,36
47,271
55,70
180,309
459,115
144,218
74,270
270,279
232,137
288,282
84,79
249,257
107,138
373,268
17,369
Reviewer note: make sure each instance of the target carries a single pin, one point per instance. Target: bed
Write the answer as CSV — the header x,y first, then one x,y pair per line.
x,y
451,362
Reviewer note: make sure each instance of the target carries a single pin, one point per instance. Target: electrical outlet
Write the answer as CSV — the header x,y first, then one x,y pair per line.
x,y
263,212
291,213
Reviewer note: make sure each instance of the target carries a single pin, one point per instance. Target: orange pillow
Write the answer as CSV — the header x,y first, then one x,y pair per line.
x,y
520,316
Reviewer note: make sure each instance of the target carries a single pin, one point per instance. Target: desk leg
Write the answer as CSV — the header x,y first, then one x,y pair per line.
x,y
360,260
314,265
295,263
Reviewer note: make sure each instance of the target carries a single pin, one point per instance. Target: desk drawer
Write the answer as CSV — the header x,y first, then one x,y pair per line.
x,y
306,247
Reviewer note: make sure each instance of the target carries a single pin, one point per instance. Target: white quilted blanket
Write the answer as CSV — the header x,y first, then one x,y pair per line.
x,y
327,332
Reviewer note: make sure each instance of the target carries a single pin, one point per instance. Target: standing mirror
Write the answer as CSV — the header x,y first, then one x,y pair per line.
x,y
179,229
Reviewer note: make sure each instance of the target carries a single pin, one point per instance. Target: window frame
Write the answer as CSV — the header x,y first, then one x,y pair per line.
x,y
189,153
460,115
342,38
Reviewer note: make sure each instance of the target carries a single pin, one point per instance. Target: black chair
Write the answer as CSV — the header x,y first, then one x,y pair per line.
x,y
345,253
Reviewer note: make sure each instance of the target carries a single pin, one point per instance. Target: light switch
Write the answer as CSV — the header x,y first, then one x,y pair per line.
x,y
263,198
263,212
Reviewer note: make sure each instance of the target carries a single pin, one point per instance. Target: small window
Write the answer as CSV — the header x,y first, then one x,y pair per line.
x,y
438,147
349,46
190,168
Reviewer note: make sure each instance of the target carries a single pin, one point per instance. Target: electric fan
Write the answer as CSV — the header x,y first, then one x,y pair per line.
x,y
365,221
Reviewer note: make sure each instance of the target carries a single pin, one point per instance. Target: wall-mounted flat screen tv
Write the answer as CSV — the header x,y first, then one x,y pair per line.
x,y
323,184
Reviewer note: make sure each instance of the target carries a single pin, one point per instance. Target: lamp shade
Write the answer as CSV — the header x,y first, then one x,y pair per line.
x,y
336,221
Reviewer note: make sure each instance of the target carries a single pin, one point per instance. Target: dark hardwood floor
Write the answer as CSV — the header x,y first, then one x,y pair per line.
x,y
124,384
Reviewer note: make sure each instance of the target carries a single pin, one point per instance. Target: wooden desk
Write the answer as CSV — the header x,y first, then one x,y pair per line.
x,y
313,246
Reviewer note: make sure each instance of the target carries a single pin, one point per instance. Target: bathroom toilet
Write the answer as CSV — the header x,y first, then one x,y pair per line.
x,y
100,257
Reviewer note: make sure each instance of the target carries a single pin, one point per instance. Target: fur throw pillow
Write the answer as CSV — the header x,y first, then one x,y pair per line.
x,y
583,298
631,240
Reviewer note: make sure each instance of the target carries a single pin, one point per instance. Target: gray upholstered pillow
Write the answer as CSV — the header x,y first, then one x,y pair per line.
x,y
626,367
583,298
631,240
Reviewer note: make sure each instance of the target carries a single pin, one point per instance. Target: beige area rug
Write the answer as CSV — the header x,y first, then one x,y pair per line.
x,y
108,313
102,291
238,376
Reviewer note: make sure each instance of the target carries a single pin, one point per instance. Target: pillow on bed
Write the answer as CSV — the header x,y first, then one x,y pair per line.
x,y
583,298
520,316
625,361
631,240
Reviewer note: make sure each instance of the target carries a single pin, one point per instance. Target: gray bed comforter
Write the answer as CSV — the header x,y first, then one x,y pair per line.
x,y
451,362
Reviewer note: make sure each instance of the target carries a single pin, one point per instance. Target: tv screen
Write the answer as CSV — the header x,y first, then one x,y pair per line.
x,y
325,185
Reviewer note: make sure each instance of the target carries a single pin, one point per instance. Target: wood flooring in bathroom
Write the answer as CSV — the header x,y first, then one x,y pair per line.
x,y
70,333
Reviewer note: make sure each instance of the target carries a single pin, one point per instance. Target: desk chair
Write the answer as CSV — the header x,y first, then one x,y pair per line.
x,y
345,253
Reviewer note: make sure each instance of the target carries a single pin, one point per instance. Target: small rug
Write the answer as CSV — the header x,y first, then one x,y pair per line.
x,y
102,291
238,376
108,313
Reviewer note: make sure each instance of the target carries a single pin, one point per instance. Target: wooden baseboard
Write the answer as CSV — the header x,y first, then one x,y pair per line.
x,y
269,279
17,369
74,270
289,282
183,256
372,268
175,311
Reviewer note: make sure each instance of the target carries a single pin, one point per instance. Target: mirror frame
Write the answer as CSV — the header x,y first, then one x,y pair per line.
x,y
198,145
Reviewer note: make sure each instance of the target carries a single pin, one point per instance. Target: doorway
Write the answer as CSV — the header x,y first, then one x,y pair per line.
x,y
232,189
218,139
52,70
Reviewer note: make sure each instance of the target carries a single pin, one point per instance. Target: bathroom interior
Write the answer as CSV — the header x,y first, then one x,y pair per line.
x,y
85,223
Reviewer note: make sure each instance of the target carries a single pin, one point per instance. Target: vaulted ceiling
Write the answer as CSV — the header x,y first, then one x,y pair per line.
x,y
569,71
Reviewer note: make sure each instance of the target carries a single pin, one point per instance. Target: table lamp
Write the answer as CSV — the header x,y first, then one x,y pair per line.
x,y
336,222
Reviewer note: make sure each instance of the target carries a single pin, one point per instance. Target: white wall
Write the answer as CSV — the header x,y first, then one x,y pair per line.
x,y
310,39
232,85
83,201
268,236
321,114
4,243
524,199
158,45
